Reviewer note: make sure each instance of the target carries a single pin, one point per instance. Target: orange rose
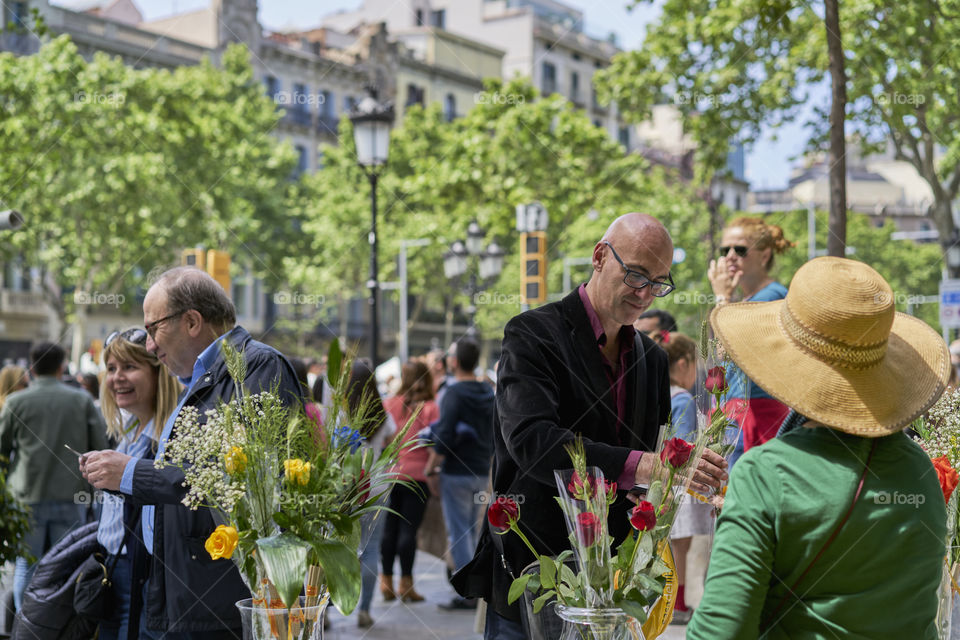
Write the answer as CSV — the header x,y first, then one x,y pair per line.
x,y
947,476
222,542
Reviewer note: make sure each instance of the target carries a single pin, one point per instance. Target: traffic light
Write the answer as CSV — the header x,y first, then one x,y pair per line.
x,y
193,258
533,264
218,266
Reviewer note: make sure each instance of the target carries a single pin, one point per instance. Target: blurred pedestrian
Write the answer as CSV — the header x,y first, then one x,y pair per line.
x,y
809,543
741,273
91,384
657,324
35,426
136,383
13,378
407,503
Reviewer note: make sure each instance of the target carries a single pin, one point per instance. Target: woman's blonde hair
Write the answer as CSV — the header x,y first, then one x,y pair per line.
x,y
11,376
763,236
168,388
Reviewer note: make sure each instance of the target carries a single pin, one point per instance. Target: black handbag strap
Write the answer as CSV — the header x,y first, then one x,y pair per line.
x,y
793,588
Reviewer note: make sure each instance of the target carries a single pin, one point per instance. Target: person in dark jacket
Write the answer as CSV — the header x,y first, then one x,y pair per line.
x,y
463,447
188,595
576,368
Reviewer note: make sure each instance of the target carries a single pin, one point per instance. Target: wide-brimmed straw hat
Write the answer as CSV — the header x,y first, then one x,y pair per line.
x,y
837,351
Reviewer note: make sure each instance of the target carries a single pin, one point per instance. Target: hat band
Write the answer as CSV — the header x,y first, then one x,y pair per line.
x,y
830,351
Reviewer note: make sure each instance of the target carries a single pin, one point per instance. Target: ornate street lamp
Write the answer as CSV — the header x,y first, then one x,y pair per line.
x,y
371,134
490,264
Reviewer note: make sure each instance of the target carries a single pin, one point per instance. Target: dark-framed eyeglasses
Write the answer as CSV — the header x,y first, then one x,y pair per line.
x,y
135,335
151,327
739,249
636,280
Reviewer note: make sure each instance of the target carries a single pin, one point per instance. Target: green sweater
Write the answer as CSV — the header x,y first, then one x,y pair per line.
x,y
879,577
34,425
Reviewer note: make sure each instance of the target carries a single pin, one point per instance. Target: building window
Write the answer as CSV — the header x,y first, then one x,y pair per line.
x,y
548,83
576,56
319,159
415,95
18,15
438,19
302,161
596,123
419,17
623,136
737,203
575,86
273,86
450,107
348,103
299,100
327,104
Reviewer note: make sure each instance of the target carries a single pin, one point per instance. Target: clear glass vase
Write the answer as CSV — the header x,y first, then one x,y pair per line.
x,y
302,622
598,624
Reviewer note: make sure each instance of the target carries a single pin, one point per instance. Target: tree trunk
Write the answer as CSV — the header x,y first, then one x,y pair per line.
x,y
837,238
79,334
942,214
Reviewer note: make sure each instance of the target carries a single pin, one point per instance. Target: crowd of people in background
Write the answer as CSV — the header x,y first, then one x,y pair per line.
x,y
118,420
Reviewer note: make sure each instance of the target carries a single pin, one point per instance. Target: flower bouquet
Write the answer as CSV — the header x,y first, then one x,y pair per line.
x,y
289,496
938,433
613,593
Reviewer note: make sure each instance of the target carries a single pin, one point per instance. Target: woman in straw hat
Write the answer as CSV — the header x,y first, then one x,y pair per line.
x,y
836,528
741,273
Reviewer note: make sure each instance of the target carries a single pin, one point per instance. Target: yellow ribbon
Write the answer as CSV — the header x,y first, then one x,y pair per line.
x,y
662,612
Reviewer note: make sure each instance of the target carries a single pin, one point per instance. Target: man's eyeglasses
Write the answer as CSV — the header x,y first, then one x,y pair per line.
x,y
739,249
636,280
151,327
136,335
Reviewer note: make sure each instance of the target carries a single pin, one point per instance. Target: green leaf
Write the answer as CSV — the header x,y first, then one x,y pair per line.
x,y
342,569
542,600
517,587
548,572
567,575
283,520
634,609
334,363
285,558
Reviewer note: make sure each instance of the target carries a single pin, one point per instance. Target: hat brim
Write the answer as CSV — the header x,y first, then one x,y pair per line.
x,y
872,402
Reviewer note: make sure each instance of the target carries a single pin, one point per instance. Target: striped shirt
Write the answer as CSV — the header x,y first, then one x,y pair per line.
x,y
110,532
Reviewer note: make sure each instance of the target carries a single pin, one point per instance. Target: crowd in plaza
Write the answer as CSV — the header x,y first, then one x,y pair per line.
x,y
822,378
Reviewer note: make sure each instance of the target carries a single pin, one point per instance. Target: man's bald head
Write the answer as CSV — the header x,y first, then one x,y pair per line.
x,y
637,228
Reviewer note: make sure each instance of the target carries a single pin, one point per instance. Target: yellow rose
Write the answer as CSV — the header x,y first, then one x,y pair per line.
x,y
235,461
297,471
222,542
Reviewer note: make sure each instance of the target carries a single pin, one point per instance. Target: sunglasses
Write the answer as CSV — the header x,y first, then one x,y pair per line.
x,y
739,249
636,280
136,335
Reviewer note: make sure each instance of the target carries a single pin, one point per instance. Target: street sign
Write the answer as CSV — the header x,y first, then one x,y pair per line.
x,y
531,217
950,304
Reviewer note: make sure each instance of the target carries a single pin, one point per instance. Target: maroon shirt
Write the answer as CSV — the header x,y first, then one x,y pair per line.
x,y
616,379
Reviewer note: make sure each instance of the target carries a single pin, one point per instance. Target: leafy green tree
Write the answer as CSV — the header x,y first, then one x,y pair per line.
x,y
117,169
736,66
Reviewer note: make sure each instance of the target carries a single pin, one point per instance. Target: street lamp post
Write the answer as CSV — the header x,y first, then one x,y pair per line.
x,y
490,265
371,133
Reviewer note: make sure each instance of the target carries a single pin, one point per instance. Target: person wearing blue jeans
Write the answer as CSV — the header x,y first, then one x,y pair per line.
x,y
462,452
371,532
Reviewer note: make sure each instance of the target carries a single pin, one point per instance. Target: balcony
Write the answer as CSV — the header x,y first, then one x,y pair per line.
x,y
297,116
22,303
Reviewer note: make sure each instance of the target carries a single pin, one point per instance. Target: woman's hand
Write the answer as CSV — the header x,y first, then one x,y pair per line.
x,y
721,281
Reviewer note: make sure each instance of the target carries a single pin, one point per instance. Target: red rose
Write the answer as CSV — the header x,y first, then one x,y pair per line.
x,y
588,528
578,485
502,513
716,381
643,517
676,451
610,488
947,476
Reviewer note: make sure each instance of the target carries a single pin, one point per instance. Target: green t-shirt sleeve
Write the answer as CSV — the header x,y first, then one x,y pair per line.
x,y
742,558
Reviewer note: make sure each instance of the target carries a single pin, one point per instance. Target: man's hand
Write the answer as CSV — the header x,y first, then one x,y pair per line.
x,y
104,469
709,472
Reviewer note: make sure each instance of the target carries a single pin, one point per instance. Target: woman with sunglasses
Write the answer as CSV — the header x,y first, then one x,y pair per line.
x,y
139,387
741,273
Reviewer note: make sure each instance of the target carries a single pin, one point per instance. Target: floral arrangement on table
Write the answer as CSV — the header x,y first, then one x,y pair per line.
x,y
290,494
634,576
938,433
14,522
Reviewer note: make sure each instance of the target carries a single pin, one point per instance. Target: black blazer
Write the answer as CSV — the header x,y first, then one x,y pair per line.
x,y
552,386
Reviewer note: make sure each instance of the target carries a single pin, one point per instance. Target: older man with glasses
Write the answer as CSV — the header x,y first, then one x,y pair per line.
x,y
187,596
576,368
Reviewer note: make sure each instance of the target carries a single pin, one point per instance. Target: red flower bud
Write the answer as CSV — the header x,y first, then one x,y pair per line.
x,y
643,517
578,485
502,513
676,451
947,476
716,381
588,528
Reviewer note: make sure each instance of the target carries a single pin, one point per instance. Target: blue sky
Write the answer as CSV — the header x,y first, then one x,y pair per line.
x,y
768,163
